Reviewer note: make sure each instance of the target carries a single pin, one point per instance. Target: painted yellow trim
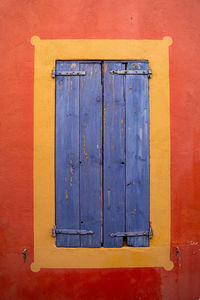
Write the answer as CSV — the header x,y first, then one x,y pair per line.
x,y
46,254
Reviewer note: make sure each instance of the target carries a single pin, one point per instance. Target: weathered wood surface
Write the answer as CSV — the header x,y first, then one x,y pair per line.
x,y
137,154
113,197
90,153
114,154
67,154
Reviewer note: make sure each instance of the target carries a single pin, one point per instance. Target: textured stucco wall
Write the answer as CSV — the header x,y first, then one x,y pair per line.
x,y
103,19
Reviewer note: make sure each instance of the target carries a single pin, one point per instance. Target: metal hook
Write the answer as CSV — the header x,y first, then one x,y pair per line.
x,y
177,252
24,252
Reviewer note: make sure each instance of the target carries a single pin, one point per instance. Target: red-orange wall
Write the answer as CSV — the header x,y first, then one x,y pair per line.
x,y
112,19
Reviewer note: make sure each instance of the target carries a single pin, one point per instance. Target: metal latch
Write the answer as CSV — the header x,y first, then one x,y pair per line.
x,y
70,231
67,73
133,234
132,72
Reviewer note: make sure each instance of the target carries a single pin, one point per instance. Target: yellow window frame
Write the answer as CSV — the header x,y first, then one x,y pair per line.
x,y
46,254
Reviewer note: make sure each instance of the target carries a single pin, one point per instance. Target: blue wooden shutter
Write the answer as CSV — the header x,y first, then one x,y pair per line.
x,y
78,155
126,154
80,180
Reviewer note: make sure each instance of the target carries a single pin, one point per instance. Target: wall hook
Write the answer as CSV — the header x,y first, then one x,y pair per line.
x,y
177,252
24,252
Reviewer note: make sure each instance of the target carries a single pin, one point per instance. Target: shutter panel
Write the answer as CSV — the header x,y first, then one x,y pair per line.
x,y
78,154
137,154
126,154
67,154
90,153
114,155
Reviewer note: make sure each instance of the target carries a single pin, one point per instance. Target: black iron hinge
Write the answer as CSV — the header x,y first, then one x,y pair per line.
x,y
70,231
132,72
133,234
67,73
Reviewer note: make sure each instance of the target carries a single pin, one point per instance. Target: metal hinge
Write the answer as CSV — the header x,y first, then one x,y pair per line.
x,y
70,231
67,73
132,72
133,234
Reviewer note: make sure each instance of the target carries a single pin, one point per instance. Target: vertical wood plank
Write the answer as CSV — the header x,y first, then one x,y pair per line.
x,y
114,155
90,153
67,154
137,154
